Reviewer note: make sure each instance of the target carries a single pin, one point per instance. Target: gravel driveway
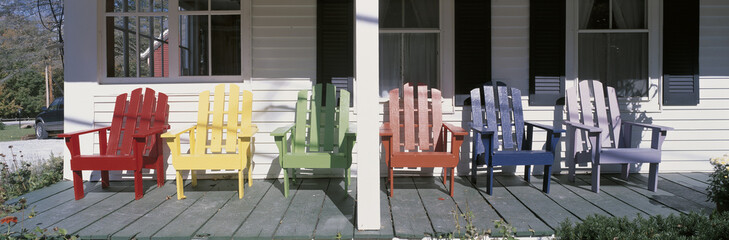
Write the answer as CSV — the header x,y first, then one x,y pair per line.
x,y
33,150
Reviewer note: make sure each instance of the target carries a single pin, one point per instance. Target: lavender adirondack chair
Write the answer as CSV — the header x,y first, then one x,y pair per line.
x,y
597,135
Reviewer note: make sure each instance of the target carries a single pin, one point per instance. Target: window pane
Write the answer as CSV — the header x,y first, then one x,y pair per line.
x,y
629,14
193,45
391,13
153,46
121,5
226,58
390,62
421,13
122,61
408,57
153,5
594,14
193,5
619,60
225,5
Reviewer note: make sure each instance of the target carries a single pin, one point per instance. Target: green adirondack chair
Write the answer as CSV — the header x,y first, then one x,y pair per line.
x,y
320,136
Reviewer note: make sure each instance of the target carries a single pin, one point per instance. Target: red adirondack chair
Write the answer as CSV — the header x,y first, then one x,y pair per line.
x,y
415,136
134,141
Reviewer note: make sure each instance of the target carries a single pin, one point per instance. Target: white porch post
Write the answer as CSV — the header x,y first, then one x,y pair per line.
x,y
367,77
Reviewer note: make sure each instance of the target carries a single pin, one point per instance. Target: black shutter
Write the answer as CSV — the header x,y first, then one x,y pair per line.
x,y
334,40
472,47
680,52
546,52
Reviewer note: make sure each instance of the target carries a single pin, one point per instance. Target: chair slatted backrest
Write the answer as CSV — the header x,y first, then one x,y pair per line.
x,y
410,115
325,124
501,107
141,112
586,104
221,131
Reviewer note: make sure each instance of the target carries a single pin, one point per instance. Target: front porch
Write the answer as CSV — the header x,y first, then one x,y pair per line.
x,y
321,208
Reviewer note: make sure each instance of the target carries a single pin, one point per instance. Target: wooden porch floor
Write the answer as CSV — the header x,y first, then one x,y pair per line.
x,y
321,208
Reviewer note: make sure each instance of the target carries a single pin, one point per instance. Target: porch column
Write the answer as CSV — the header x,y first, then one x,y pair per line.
x,y
367,79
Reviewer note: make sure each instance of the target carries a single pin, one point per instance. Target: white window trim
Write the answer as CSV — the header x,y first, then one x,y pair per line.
x,y
174,55
654,18
446,54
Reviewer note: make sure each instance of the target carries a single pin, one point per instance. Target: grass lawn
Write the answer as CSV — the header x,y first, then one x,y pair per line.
x,y
12,133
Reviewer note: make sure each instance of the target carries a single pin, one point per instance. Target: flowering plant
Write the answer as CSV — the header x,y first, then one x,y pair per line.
x,y
718,190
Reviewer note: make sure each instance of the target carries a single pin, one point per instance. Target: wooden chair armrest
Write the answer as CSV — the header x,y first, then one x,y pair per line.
x,y
176,132
151,131
77,133
647,125
385,130
545,127
584,127
280,132
482,130
248,132
455,130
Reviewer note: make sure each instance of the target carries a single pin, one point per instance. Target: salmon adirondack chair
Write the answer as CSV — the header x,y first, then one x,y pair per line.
x,y
416,136
504,117
133,142
320,136
597,135
222,142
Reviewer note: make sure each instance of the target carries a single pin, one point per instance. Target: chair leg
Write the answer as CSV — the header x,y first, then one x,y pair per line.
x,y
104,179
138,185
392,182
348,172
653,177
547,176
625,170
194,177
286,182
527,173
250,167
241,183
474,168
596,178
490,179
78,185
572,170
161,178
180,186
452,178
445,175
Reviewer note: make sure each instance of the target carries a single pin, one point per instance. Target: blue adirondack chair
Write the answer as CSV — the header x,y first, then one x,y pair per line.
x,y
502,107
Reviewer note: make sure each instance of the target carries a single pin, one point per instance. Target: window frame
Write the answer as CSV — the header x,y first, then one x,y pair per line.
x,y
654,20
173,17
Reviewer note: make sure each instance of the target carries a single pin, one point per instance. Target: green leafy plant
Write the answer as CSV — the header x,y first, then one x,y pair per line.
x,y
2,126
685,226
718,189
18,177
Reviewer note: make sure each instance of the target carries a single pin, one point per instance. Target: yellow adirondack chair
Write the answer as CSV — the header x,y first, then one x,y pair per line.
x,y
218,143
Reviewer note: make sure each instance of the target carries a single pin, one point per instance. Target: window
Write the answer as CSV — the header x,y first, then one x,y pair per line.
x,y
409,43
613,45
206,35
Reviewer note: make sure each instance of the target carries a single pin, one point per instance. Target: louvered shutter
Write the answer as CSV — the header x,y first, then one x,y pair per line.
x,y
335,43
546,52
472,46
680,52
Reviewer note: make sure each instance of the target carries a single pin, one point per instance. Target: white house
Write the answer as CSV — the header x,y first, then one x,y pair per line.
x,y
277,47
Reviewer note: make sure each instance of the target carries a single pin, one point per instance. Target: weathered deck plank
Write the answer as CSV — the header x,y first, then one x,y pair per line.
x,y
698,176
54,200
49,218
386,231
533,198
337,214
470,200
301,217
690,183
408,212
113,221
673,195
567,199
189,221
514,212
266,217
622,192
611,205
438,205
43,193
149,224
231,216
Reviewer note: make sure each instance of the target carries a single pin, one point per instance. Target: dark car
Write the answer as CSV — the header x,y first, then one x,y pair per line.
x,y
50,119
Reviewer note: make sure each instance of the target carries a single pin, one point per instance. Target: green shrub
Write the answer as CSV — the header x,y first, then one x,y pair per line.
x,y
685,226
22,177
2,126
